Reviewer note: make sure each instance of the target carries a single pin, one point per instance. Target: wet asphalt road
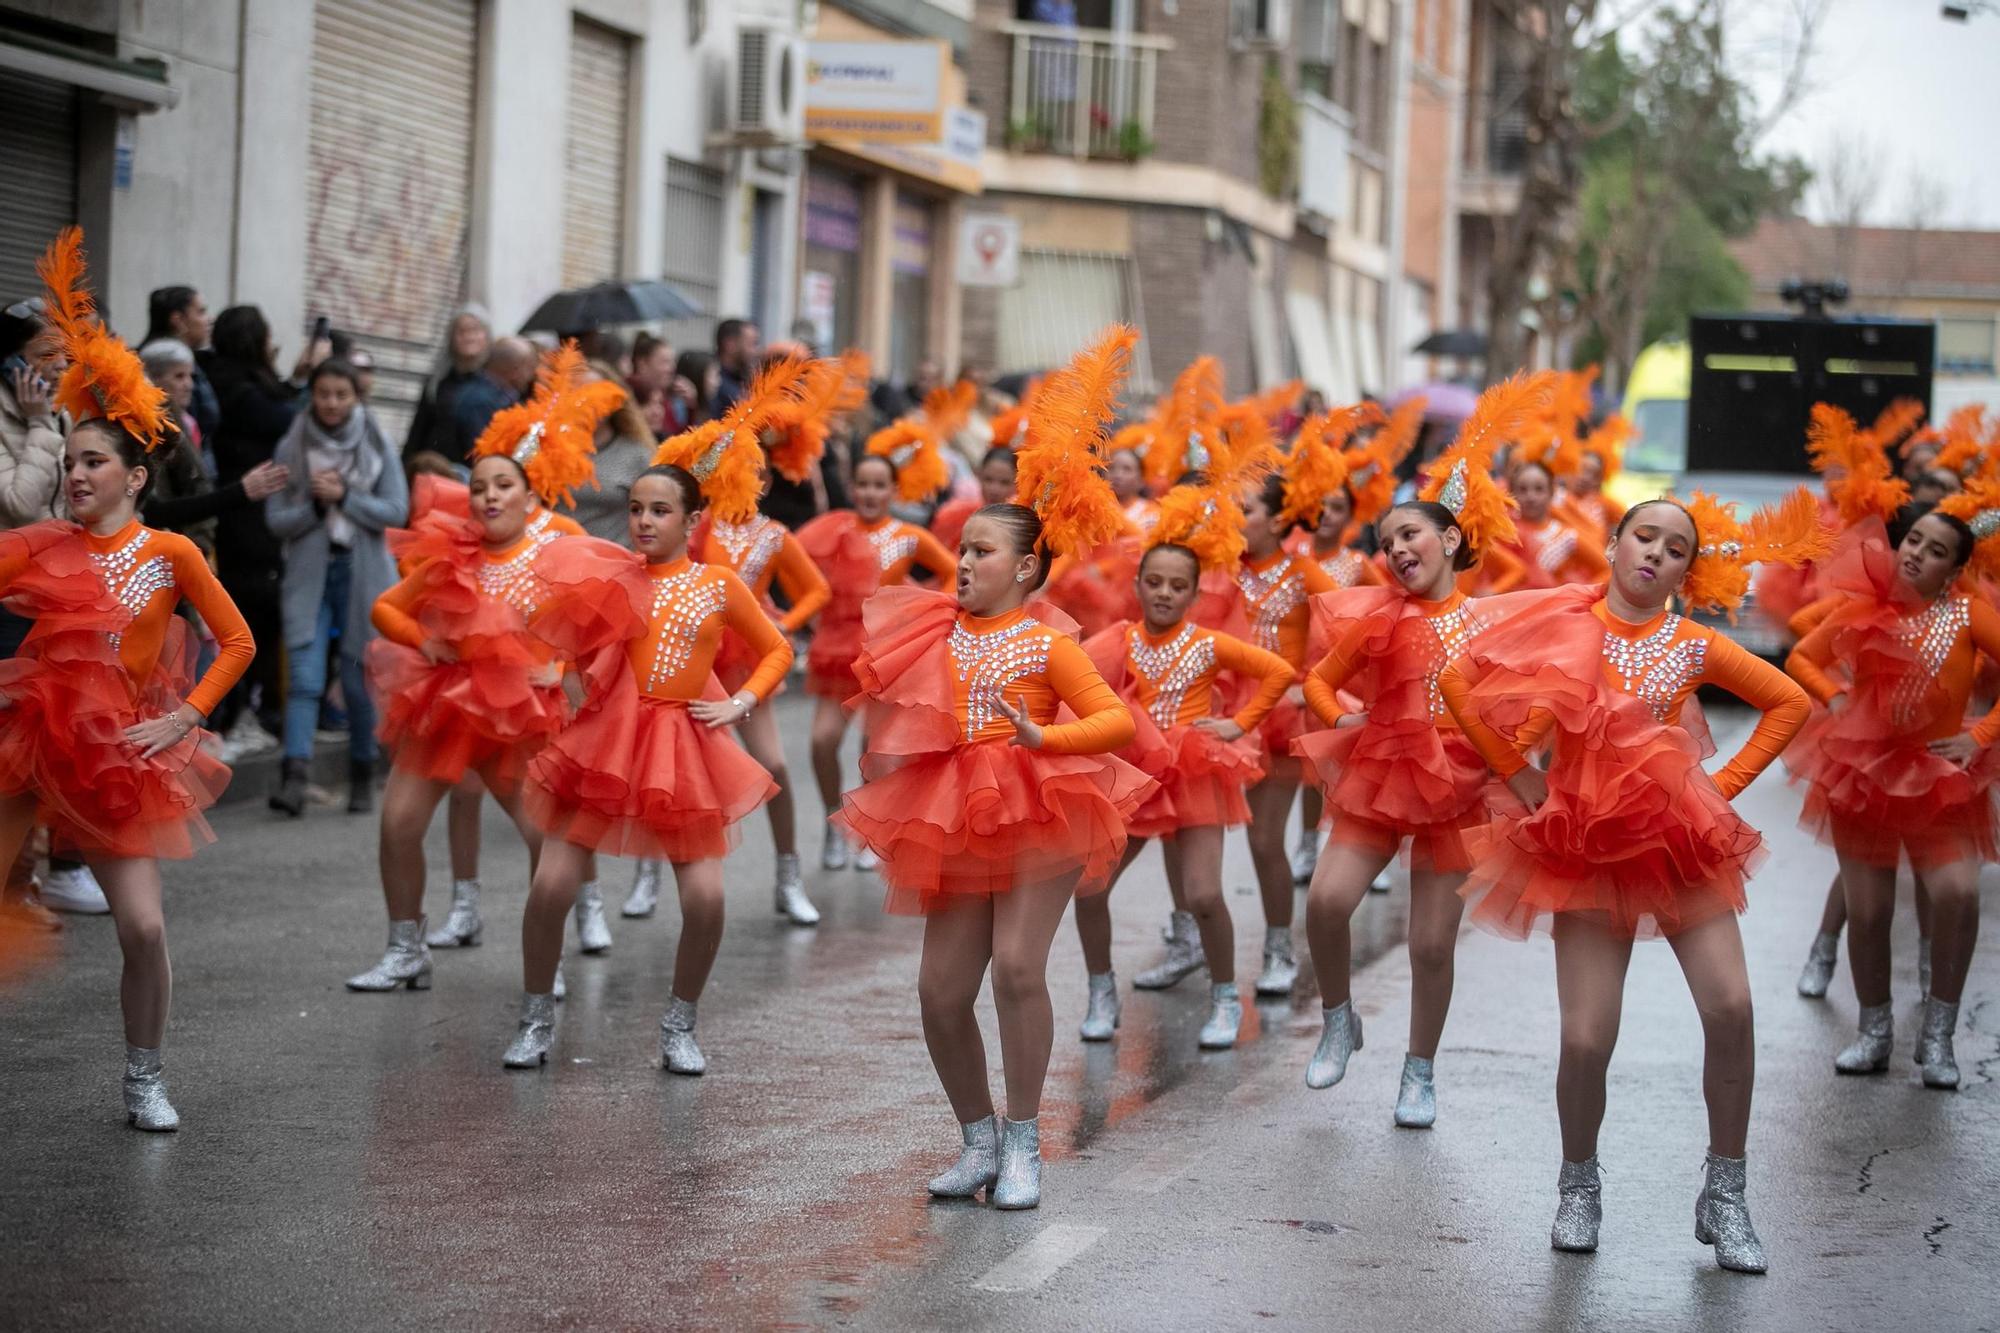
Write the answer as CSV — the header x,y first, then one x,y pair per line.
x,y
362,1161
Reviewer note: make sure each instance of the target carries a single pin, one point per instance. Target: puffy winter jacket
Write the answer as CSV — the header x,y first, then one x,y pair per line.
x,y
30,462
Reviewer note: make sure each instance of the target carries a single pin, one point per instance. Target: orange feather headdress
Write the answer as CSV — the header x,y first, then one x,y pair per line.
x,y
799,424
1607,443
1896,425
554,434
1059,467
1963,440
947,409
1206,516
912,446
1186,422
104,379
1859,479
1553,436
1320,463
725,455
1788,533
1978,507
1008,423
1372,466
1461,478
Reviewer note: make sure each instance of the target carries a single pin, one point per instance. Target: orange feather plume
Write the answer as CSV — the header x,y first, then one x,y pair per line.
x,y
104,379
949,408
1788,532
553,435
1607,443
1895,423
1963,439
1461,478
1189,413
911,444
1137,437
1275,402
1978,507
1059,467
1318,464
1859,478
1008,423
1207,516
800,424
726,455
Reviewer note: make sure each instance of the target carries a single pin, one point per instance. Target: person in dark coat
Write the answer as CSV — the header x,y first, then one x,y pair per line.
x,y
431,429
509,374
180,313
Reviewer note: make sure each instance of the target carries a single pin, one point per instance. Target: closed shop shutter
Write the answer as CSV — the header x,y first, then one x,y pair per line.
x,y
389,182
38,164
693,254
594,155
1064,299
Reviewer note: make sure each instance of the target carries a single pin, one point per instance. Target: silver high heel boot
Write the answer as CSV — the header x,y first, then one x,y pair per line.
x,y
1579,1207
1416,1100
1924,965
530,1047
146,1104
978,1162
1935,1055
462,928
1020,1176
645,895
1339,1038
678,1053
407,963
1869,1052
1821,960
1722,1218
1281,969
790,894
1100,1020
1225,1017
560,990
1305,856
1184,956
833,853
593,932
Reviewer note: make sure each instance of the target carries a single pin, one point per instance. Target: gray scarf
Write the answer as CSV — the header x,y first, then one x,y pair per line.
x,y
356,451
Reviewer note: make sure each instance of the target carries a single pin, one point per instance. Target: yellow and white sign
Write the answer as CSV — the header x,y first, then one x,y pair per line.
x,y
876,92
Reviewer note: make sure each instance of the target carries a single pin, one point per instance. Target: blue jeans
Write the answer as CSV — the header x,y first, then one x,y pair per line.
x,y
305,667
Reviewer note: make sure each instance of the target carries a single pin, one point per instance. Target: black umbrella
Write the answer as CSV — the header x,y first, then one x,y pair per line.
x,y
1453,342
625,301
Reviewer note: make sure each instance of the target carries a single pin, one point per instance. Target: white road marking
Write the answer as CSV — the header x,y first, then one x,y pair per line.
x,y
1053,1249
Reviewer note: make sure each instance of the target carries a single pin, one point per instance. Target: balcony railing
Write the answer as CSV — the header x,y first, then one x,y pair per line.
x,y
1083,92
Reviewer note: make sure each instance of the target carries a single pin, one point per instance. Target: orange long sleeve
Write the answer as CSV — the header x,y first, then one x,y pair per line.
x,y
1275,592
1103,722
933,555
394,614
1330,673
805,587
1501,757
742,613
1756,682
1499,570
1809,658
691,603
1273,673
200,589
1813,615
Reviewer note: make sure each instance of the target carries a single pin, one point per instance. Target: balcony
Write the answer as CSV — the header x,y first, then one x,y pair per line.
x,y
1083,92
1325,131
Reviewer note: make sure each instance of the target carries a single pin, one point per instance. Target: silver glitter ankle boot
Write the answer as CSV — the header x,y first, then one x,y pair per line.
x,y
1869,1052
790,894
1225,1017
1339,1038
645,895
1416,1100
1935,1055
560,990
146,1104
593,932
530,1047
1281,968
1821,960
462,928
678,1053
1100,1020
1020,1177
1184,956
834,852
1579,1207
407,963
978,1162
1722,1218
1305,856
1924,965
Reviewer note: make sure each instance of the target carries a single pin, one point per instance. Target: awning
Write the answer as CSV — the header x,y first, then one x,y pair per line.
x,y
131,85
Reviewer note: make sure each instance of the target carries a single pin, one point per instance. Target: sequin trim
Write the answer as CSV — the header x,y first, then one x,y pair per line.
x,y
1344,567
751,545
1655,669
682,604
893,543
1171,668
1931,634
1271,595
988,663
1555,550
514,580
1453,630
133,581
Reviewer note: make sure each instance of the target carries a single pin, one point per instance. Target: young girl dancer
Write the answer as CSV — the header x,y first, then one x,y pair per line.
x,y
97,728
1402,770
1551,551
644,769
987,813
469,684
1892,766
996,486
859,551
1626,834
1165,668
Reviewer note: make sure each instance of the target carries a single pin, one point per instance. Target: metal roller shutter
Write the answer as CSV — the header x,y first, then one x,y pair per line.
x,y
594,155
389,183
1064,299
38,164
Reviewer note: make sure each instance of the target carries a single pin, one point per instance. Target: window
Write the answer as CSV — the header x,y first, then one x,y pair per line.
x,y
1965,346
830,286
693,258
1064,299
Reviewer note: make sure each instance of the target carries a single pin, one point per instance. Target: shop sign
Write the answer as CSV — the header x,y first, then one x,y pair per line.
x,y
876,92
989,251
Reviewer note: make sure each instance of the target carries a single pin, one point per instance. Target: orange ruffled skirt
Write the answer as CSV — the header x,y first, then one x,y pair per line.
x,y
1202,779
1874,799
1384,784
443,720
978,819
640,777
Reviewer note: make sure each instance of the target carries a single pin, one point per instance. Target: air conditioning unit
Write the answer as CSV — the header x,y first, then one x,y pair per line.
x,y
764,93
1260,24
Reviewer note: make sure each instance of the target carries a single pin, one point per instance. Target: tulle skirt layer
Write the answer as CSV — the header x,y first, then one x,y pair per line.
x,y
836,643
979,819
1202,779
640,777
1409,778
443,720
1875,798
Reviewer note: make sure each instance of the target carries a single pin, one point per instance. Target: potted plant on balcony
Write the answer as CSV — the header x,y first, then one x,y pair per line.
x,y
1133,141
1027,135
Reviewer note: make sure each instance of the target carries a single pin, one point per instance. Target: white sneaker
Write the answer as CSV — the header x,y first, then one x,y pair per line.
x,y
74,891
249,738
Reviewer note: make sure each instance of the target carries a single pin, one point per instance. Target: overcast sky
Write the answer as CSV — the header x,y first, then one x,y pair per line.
x,y
1923,90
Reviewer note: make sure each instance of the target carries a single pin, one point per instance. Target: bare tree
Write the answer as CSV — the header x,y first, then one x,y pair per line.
x,y
1847,180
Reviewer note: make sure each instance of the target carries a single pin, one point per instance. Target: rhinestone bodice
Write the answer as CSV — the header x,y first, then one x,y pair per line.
x,y
1269,596
1930,634
1452,630
750,546
133,576
1170,669
1655,669
514,580
1344,567
1555,547
989,662
894,543
683,602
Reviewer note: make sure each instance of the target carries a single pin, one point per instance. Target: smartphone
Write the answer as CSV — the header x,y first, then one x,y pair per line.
x,y
12,366
322,329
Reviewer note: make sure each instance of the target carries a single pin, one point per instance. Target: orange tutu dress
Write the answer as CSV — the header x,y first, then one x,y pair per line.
x,y
857,558
1406,771
954,808
1634,835
635,774
510,618
1273,596
106,653
1169,684
1873,788
760,552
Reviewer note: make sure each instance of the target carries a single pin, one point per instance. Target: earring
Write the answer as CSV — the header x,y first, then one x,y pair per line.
x,y
1020,578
